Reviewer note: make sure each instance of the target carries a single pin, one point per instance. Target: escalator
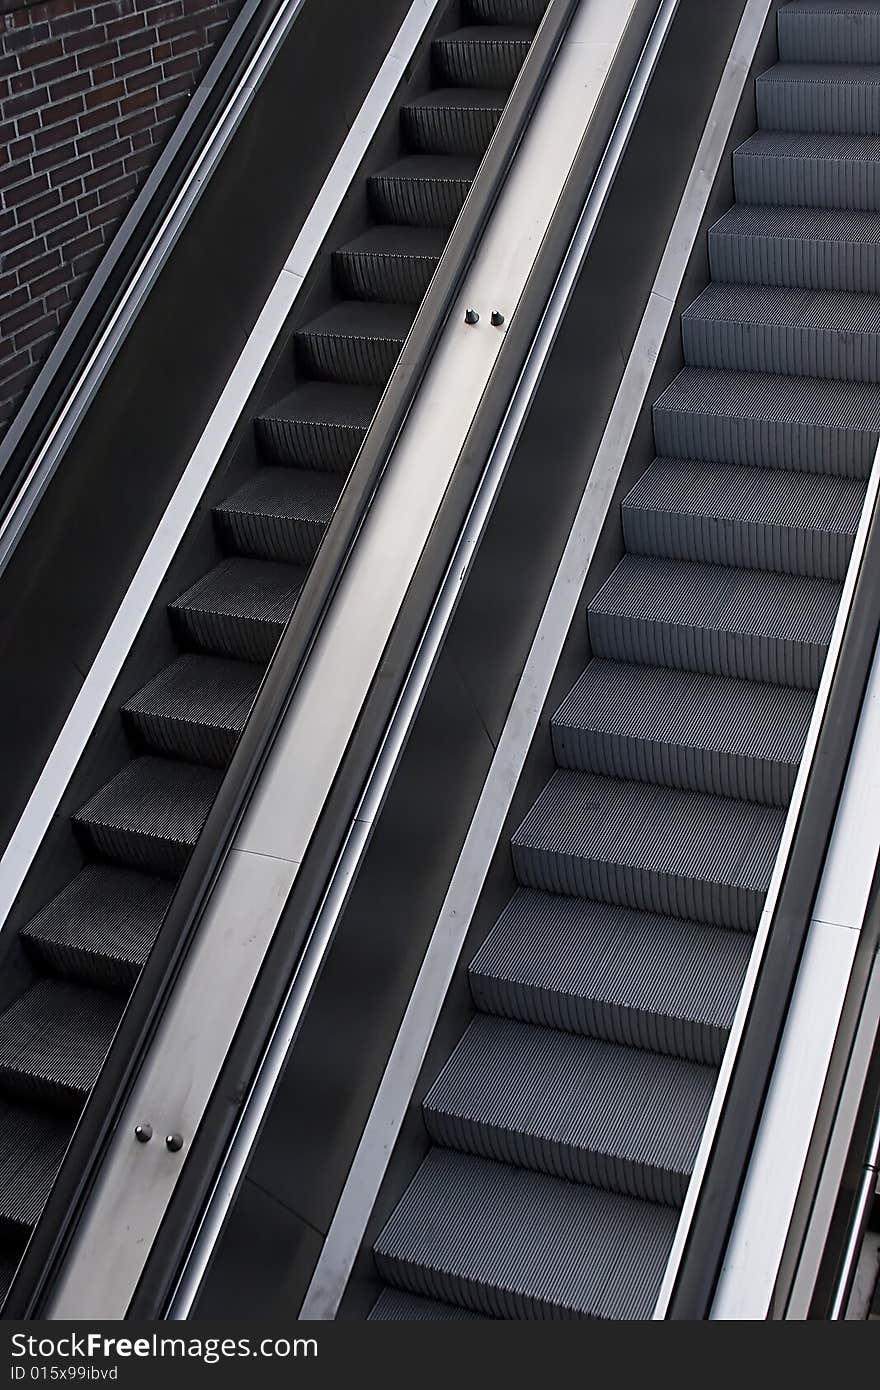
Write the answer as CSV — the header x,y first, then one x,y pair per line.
x,y
563,1130
128,841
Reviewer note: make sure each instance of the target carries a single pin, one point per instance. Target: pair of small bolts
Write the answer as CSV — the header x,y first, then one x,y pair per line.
x,y
472,317
144,1133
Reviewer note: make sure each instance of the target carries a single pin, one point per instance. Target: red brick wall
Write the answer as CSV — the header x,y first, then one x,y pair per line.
x,y
89,92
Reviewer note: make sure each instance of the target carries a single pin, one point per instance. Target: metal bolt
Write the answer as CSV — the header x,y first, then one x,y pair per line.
x,y
471,316
173,1142
497,319
143,1133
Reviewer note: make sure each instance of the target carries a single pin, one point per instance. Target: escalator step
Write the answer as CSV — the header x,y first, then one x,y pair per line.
x,y
32,1144
792,332
576,964
757,518
489,56
682,854
753,419
572,1107
195,709
393,265
356,342
53,1040
814,248
828,98
318,425
238,609
452,120
150,815
510,1243
833,31
682,729
281,514
749,624
804,170
422,190
101,926
393,1305
528,12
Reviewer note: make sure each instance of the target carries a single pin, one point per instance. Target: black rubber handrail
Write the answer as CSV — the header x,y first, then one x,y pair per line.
x,y
276,692
55,382
722,1184
206,1151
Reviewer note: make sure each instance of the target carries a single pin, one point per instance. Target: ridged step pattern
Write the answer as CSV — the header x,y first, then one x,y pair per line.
x,y
565,1123
264,521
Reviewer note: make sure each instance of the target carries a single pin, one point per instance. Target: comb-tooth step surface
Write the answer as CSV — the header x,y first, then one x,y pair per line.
x,y
835,98
355,342
810,248
281,514
195,709
511,1243
239,608
754,419
452,120
617,1117
807,170
527,12
32,1144
392,265
481,56
578,964
422,190
681,729
761,518
53,1040
393,1305
792,332
749,624
658,849
150,815
101,926
833,31
318,425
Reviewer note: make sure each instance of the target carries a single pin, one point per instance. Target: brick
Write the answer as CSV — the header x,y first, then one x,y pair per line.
x,y
47,324
89,120
66,232
112,152
128,24
14,362
54,70
74,169
133,102
21,82
53,135
70,86
14,41
87,202
101,96
28,124
29,188
58,299
48,159
52,219
27,211
98,56
100,177
28,101
11,323
96,139
61,111
43,263
73,23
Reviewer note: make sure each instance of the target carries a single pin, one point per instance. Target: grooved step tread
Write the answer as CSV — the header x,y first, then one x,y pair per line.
x,y
579,964
658,849
390,263
813,248
195,708
622,1119
510,1243
101,926
769,328
684,729
319,425
761,518
281,514
839,30
808,169
53,1040
722,621
528,12
422,190
842,97
239,608
393,1305
356,341
452,120
752,418
150,814
32,1144
482,55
